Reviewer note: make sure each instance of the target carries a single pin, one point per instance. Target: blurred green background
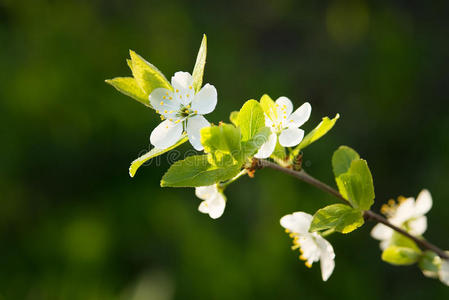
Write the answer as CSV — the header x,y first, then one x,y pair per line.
x,y
74,225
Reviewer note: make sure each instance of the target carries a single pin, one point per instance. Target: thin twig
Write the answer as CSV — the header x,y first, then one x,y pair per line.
x,y
368,214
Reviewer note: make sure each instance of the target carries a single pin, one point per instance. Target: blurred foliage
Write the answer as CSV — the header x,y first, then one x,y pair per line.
x,y
74,225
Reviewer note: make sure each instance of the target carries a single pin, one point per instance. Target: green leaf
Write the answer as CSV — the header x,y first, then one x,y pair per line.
x,y
268,106
147,76
196,171
339,217
129,87
400,256
222,143
279,152
429,263
130,64
250,119
251,146
356,185
319,131
198,70
151,154
233,117
342,159
400,240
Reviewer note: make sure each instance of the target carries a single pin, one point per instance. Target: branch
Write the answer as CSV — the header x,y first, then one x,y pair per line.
x,y
368,214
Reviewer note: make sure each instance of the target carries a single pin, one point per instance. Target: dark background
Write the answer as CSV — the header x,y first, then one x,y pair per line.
x,y
74,225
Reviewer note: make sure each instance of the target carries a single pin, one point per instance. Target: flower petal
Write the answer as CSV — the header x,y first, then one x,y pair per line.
x,y
194,126
381,232
298,222
327,256
164,103
205,100
284,107
291,137
423,203
206,192
166,134
213,206
182,83
418,226
268,147
444,271
300,116
404,212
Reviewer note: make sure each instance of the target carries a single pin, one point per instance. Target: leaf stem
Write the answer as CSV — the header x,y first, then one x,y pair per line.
x,y
368,214
223,185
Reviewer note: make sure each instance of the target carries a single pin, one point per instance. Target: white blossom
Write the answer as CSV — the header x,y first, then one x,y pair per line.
x,y
407,214
214,201
284,125
313,247
183,110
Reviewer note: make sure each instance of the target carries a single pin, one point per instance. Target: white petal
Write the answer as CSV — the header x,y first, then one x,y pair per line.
x,y
217,206
166,134
381,232
205,100
444,272
182,83
284,107
309,247
194,126
203,207
164,103
291,137
267,148
423,203
300,116
206,192
327,256
404,212
298,222
418,226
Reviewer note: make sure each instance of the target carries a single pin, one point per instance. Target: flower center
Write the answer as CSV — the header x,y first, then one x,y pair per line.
x,y
390,208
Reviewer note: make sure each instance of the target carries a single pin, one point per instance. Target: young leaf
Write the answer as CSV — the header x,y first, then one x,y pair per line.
x,y
129,87
233,117
319,131
151,154
250,119
342,159
340,217
130,64
196,171
198,70
268,106
429,263
356,185
400,256
251,146
222,143
147,76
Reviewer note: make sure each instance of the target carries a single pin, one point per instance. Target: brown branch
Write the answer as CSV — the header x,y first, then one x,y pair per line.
x,y
368,214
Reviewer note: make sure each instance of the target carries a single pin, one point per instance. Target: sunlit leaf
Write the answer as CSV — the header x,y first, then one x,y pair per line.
x,y
250,119
222,143
129,87
400,256
151,154
147,76
198,70
339,217
197,171
319,131
356,185
233,117
342,159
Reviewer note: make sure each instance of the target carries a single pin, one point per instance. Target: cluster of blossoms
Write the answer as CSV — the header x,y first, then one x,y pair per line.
x,y
230,151
410,215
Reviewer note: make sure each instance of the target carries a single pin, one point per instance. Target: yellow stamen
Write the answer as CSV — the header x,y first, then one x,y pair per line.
x,y
169,98
190,87
187,95
157,112
308,265
171,111
188,106
391,202
165,111
196,111
162,103
162,118
177,90
301,257
164,97
287,231
171,120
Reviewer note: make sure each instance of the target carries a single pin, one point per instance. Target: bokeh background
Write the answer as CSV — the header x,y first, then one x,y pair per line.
x,y
74,225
